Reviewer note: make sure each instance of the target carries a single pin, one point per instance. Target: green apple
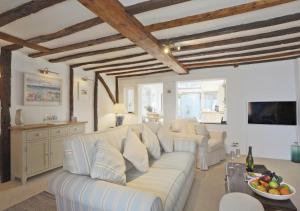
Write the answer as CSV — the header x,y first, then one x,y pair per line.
x,y
273,184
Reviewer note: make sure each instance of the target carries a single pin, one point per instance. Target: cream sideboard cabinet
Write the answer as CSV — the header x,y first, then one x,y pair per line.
x,y
39,148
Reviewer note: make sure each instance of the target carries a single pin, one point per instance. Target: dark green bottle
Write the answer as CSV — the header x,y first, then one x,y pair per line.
x,y
250,161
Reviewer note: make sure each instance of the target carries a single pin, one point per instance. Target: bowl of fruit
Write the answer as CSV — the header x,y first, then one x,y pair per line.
x,y
271,186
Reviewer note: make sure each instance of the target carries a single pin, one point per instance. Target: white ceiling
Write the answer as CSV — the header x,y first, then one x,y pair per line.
x,y
71,12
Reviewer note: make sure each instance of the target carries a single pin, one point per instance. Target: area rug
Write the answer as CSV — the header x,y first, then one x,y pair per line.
x,y
40,202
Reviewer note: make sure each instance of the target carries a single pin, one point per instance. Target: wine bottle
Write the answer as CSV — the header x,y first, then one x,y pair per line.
x,y
250,161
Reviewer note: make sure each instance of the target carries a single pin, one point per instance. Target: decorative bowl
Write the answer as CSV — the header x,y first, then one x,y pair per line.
x,y
273,196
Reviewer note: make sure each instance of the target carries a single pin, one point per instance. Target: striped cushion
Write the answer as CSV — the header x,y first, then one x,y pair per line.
x,y
109,164
164,183
135,151
151,142
79,150
165,139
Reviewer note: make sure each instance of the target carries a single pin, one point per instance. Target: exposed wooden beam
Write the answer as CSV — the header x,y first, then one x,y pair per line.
x,y
13,39
242,48
237,40
283,56
71,93
117,88
25,10
111,96
133,10
221,13
114,14
91,53
251,53
130,68
109,60
143,74
139,70
96,102
78,45
119,64
237,28
5,98
217,32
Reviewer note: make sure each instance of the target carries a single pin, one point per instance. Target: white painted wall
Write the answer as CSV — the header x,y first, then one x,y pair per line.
x,y
83,109
256,82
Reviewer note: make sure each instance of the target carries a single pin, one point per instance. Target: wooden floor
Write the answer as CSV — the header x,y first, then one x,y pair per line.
x,y
207,190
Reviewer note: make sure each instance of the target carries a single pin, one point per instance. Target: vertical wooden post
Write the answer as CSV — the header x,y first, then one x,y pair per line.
x,y
117,89
96,102
71,94
5,96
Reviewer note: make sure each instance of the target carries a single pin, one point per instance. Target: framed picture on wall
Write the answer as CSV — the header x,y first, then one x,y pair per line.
x,y
42,90
83,90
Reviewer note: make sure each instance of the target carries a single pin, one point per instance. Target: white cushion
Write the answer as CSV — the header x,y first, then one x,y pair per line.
x,y
135,151
201,130
151,142
183,125
165,139
215,144
109,164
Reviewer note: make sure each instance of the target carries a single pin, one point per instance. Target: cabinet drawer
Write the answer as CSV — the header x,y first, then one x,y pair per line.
x,y
59,131
76,129
36,134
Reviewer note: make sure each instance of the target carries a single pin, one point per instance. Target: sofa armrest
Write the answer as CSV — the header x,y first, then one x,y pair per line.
x,y
182,144
218,135
76,192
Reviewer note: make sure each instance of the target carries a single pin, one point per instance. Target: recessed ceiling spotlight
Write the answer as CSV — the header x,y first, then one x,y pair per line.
x,y
167,49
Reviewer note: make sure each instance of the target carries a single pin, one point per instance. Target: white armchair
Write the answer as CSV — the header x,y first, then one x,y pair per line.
x,y
210,144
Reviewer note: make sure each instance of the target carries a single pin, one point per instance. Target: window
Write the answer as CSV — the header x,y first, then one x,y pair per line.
x,y
204,100
150,101
129,99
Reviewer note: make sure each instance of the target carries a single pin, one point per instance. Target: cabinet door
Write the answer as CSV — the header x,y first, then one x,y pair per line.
x,y
37,157
57,152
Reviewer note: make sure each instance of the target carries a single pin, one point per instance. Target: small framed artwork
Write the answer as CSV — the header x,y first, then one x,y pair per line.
x,y
83,90
42,90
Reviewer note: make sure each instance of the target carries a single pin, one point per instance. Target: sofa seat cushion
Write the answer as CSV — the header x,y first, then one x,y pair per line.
x,y
215,144
182,161
164,183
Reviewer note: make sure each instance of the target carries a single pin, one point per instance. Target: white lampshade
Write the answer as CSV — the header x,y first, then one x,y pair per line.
x,y
119,108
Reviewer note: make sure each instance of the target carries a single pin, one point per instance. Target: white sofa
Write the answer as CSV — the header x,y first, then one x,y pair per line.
x,y
165,186
210,145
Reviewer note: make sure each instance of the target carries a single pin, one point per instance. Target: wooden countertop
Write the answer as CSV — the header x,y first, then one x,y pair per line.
x,y
44,125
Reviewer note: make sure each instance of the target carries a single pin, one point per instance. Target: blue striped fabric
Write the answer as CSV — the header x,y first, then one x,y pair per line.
x,y
81,193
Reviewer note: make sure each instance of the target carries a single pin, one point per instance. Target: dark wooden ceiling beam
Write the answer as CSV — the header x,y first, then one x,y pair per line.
x,y
78,45
91,53
237,28
133,10
114,14
138,71
13,39
25,10
120,64
143,74
282,56
252,53
130,68
221,13
243,39
109,60
242,48
212,33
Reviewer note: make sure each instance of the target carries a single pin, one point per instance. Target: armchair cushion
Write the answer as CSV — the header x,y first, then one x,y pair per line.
x,y
215,144
201,129
109,164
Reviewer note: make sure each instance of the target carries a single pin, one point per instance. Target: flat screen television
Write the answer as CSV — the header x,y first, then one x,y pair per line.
x,y
273,113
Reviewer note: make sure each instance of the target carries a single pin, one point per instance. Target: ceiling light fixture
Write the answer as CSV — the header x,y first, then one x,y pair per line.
x,y
169,47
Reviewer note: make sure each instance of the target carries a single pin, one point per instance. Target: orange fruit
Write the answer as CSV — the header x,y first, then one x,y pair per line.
x,y
284,191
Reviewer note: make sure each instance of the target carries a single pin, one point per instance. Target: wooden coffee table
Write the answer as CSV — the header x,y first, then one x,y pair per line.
x,y
235,182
